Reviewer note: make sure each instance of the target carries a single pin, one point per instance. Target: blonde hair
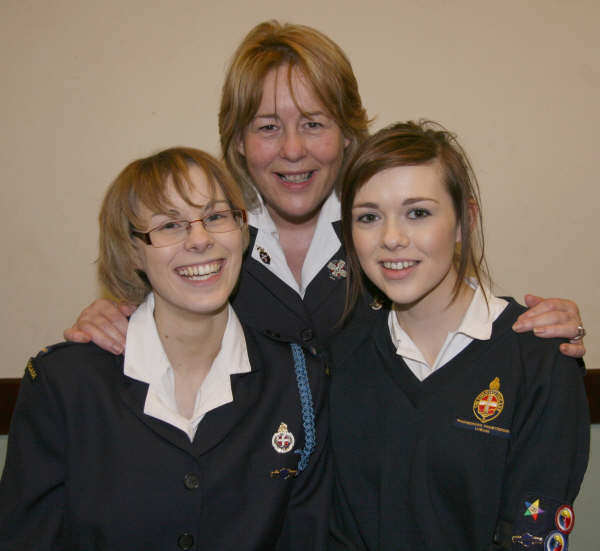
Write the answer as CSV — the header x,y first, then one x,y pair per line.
x,y
322,63
147,182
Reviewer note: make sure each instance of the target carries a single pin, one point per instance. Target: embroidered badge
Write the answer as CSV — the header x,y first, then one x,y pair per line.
x,y
337,269
564,519
283,440
555,541
526,540
264,255
533,509
489,403
31,370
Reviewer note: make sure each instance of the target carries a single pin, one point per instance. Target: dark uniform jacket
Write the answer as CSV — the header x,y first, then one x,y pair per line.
x,y
87,470
481,455
267,304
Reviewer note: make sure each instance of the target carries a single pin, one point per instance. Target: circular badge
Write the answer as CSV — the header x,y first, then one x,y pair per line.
x,y
555,541
283,440
565,519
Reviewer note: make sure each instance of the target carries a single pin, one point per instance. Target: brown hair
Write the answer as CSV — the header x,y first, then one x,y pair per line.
x,y
409,144
320,60
147,182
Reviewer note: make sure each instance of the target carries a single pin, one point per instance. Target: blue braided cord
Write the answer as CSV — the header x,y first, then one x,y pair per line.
x,y
308,412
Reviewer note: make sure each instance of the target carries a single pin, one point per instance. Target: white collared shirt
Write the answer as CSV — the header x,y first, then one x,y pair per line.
x,y
476,324
146,361
323,246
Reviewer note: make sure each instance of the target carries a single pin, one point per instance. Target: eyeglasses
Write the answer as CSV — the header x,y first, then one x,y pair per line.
x,y
176,231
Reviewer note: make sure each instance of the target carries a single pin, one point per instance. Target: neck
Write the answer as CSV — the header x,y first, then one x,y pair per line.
x,y
295,237
429,320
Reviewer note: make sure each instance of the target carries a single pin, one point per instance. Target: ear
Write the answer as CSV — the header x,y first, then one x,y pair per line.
x,y
473,217
138,258
346,142
241,148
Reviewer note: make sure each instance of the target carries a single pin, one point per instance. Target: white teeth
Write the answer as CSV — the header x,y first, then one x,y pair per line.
x,y
199,271
295,178
399,265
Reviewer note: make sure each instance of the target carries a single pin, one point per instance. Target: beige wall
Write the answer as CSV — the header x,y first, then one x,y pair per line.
x,y
87,86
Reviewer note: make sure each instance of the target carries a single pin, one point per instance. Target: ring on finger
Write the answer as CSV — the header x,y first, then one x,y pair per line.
x,y
580,333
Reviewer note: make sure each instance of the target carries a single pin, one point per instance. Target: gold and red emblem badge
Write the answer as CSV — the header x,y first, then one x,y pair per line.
x,y
489,403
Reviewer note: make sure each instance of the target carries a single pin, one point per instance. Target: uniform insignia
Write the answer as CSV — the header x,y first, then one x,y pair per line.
x,y
565,519
489,403
337,269
30,370
284,473
533,509
264,255
555,541
527,540
376,304
283,440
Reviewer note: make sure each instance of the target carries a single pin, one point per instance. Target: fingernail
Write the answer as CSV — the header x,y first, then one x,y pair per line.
x,y
517,325
539,331
117,349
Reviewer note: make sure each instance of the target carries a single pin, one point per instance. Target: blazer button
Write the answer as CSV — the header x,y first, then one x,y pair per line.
x,y
306,335
191,481
185,541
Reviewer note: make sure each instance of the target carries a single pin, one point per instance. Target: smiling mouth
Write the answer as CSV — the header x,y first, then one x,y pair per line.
x,y
199,272
402,265
295,178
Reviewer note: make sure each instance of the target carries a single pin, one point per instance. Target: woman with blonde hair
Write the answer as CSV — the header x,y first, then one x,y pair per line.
x,y
290,118
204,433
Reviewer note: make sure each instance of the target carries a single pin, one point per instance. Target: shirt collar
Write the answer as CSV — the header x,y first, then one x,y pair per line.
x,y
146,361
476,323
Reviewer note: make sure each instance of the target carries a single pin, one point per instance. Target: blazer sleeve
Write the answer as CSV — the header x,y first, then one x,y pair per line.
x,y
549,451
32,485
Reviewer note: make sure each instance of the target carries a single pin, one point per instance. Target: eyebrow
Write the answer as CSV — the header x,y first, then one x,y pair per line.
x,y
309,114
176,212
406,202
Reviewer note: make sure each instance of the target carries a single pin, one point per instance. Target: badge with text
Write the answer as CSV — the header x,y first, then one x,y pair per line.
x,y
337,269
283,440
555,541
489,403
565,519
533,509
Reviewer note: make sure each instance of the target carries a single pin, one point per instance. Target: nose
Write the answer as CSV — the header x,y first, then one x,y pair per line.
x,y
198,238
292,146
394,235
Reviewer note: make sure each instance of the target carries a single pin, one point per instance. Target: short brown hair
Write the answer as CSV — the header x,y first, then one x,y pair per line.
x,y
146,182
409,144
320,60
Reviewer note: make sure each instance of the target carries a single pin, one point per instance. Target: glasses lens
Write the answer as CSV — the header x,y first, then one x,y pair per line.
x,y
169,233
223,221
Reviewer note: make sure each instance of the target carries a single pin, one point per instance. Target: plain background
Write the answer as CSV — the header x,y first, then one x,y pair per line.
x,y
89,86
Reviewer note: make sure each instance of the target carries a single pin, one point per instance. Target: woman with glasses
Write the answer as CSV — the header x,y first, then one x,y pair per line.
x,y
204,433
290,118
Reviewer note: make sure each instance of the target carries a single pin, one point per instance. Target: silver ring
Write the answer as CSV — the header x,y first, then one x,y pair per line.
x,y
580,333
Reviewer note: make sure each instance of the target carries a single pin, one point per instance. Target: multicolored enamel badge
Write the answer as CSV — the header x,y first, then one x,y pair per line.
x,y
283,440
533,509
264,255
489,403
337,269
565,519
555,541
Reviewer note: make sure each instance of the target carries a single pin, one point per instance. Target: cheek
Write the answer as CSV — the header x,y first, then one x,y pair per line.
x,y
364,242
259,153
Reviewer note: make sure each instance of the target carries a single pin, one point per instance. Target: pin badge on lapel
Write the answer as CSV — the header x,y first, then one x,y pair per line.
x,y
555,541
533,509
283,440
264,255
565,519
337,269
